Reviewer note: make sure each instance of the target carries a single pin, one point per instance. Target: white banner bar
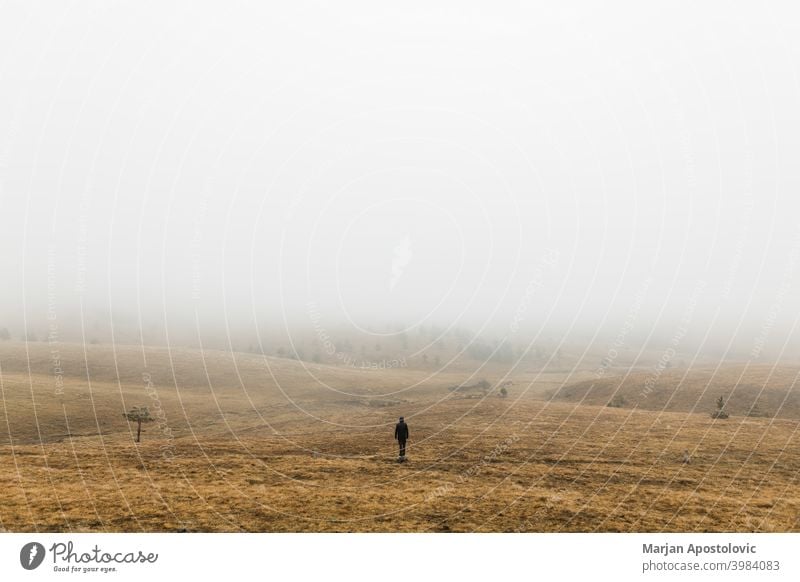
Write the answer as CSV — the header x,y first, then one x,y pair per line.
x,y
369,557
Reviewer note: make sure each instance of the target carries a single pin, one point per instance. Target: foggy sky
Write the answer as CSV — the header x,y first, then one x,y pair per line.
x,y
567,165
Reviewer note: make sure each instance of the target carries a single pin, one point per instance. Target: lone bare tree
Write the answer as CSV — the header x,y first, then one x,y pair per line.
x,y
138,414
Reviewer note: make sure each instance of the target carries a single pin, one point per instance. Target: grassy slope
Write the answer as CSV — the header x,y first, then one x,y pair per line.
x,y
775,390
240,457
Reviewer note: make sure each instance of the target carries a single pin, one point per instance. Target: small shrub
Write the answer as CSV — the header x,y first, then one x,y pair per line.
x,y
618,401
720,412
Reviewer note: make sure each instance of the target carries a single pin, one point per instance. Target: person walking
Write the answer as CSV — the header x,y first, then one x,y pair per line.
x,y
401,436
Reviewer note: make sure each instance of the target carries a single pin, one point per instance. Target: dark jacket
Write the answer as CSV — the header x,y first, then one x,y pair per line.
x,y
401,432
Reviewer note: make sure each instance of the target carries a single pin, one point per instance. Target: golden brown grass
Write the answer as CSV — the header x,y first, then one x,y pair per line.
x,y
243,458
758,390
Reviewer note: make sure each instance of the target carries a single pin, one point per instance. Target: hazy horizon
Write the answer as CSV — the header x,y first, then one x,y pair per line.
x,y
522,171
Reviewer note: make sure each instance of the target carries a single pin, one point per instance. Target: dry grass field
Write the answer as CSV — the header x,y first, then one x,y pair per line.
x,y
761,390
247,443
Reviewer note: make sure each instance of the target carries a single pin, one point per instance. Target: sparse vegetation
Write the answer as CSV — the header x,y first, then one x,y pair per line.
x,y
482,386
720,411
499,352
138,414
618,401
688,391
613,470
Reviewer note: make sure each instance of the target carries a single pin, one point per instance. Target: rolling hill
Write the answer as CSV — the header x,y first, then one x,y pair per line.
x,y
747,390
244,443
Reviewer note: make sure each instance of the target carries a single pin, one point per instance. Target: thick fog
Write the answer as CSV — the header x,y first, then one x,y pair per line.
x,y
576,168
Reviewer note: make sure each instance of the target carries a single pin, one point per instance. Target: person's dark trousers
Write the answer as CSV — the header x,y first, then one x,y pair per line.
x,y
402,448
